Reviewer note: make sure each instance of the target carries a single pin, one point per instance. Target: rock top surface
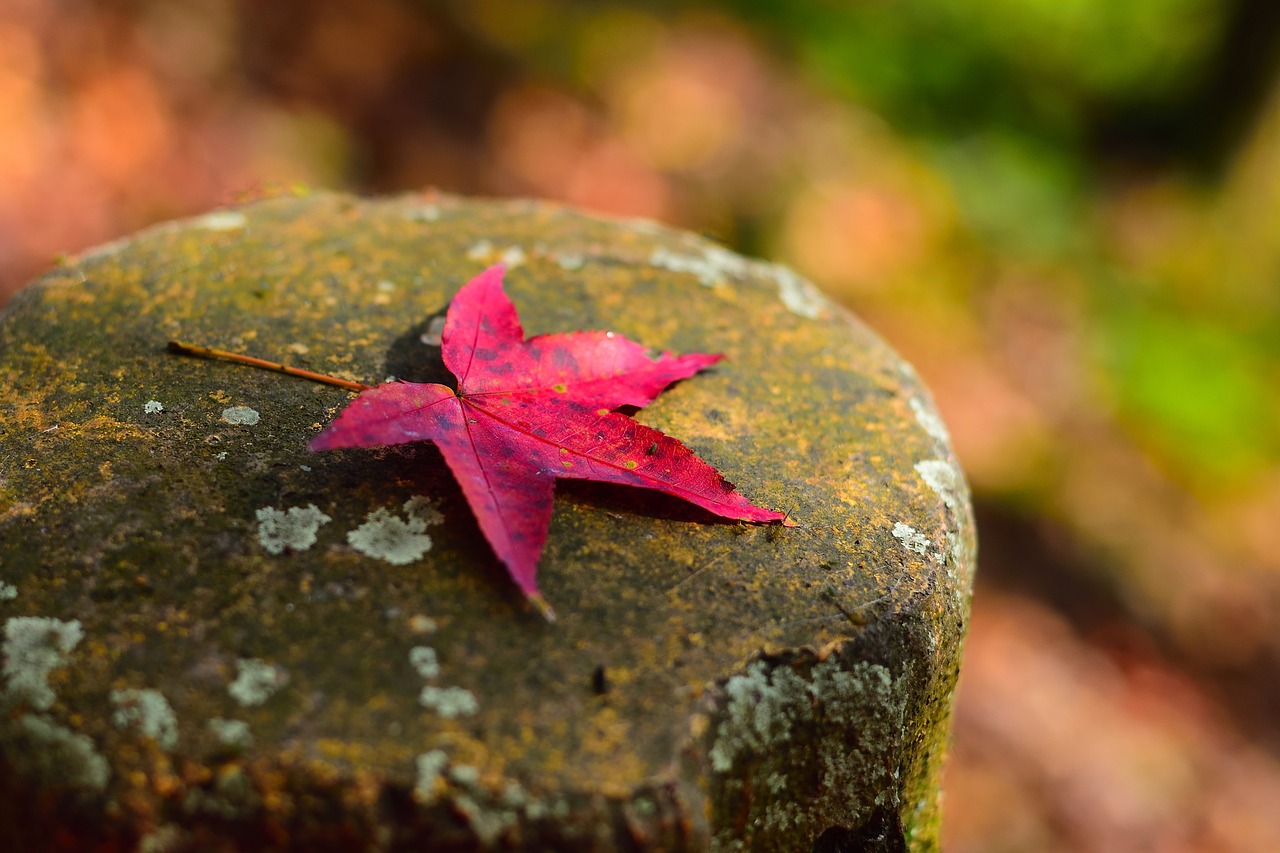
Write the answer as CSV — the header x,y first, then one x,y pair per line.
x,y
210,633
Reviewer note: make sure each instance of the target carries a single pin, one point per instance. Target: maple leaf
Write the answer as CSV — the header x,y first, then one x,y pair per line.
x,y
529,411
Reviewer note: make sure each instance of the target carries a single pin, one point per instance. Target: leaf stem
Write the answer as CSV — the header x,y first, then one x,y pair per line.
x,y
179,348
540,604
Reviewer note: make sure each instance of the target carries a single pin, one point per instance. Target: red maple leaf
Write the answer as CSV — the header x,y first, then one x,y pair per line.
x,y
529,411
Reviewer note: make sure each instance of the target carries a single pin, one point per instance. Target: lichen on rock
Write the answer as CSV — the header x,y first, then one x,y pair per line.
x,y
791,730
34,646
232,734
448,702
424,509
241,415
387,537
145,526
423,659
911,539
44,751
293,529
430,773
149,712
256,681
944,478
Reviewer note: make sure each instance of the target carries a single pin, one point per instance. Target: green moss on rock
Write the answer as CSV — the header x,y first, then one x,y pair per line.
x,y
708,685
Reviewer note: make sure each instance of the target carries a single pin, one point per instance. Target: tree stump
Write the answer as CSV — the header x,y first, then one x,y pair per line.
x,y
214,639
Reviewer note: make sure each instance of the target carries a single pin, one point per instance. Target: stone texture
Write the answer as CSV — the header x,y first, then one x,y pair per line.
x,y
196,656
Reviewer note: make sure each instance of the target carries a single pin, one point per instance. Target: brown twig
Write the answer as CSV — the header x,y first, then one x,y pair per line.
x,y
179,348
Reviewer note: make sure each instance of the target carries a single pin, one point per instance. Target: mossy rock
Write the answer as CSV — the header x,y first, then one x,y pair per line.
x,y
186,669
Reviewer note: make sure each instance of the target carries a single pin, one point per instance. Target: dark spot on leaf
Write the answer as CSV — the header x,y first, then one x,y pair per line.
x,y
564,359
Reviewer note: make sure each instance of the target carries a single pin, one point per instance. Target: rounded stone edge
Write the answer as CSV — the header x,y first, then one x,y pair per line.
x,y
672,814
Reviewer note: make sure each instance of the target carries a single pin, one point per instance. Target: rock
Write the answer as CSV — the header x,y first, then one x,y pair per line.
x,y
214,639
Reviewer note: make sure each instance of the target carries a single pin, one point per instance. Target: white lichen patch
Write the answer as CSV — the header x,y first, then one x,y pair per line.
x,y
716,265
449,702
796,293
514,795
571,261
488,823
911,539
513,256
424,509
465,775
766,708
152,407
294,529
421,624
162,839
255,682
644,225
424,213
34,646
103,250
928,418
242,415
849,722
446,701
424,661
384,290
58,755
221,220
958,565
943,478
489,817
149,712
712,267
480,250
430,767
8,592
232,734
386,537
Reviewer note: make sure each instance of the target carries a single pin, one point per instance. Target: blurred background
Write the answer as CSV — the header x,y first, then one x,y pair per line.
x,y
1066,214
